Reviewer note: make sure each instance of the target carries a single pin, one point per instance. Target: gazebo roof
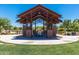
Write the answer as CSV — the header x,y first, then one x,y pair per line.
x,y
38,6
38,11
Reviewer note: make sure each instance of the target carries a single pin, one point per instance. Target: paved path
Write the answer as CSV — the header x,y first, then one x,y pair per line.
x,y
61,40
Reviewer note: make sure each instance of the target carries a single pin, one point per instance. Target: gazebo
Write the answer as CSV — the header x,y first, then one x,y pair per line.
x,y
39,14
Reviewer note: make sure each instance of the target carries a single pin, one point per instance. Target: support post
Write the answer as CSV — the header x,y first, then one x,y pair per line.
x,y
35,25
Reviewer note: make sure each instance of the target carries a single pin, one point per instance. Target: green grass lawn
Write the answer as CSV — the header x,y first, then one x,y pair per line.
x,y
65,49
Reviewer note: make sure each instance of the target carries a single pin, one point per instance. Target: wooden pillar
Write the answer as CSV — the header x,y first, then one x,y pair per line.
x,y
24,30
43,29
35,25
51,25
51,32
31,25
43,24
31,29
28,30
46,29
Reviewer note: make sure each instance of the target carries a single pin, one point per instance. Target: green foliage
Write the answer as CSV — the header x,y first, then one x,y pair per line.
x,y
61,29
17,28
4,24
70,26
40,27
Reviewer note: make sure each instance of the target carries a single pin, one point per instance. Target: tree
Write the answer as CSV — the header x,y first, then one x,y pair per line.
x,y
70,26
66,25
75,25
17,29
4,24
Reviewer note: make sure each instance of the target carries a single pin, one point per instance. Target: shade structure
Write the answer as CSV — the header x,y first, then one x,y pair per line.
x,y
50,17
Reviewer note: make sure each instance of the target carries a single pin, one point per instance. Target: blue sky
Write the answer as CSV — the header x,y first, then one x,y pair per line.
x,y
68,11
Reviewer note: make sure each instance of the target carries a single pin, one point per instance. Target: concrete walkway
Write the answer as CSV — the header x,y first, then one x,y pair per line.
x,y
61,40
